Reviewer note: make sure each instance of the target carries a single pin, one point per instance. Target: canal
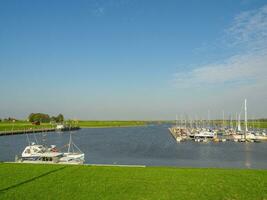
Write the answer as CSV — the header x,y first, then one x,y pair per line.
x,y
149,145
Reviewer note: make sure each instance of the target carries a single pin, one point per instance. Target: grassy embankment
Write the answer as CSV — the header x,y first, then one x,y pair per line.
x,y
90,124
25,181
22,125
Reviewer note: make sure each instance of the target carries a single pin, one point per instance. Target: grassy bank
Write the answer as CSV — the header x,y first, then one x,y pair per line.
x,y
22,125
25,181
89,124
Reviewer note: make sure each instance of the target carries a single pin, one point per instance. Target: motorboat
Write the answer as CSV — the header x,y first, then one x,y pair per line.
x,y
36,153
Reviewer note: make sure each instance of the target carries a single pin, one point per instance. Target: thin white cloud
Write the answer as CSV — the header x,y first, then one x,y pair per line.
x,y
237,70
249,30
99,11
248,33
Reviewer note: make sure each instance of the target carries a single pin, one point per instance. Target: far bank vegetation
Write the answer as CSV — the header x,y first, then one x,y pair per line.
x,y
45,118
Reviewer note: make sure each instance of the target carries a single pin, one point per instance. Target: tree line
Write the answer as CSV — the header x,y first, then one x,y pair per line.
x,y
45,118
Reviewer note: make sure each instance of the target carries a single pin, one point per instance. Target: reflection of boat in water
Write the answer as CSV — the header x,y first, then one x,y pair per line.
x,y
35,153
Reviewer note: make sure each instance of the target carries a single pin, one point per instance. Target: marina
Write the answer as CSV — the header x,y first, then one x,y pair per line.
x,y
204,131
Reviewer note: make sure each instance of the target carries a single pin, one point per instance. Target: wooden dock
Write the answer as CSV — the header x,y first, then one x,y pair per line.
x,y
30,131
176,135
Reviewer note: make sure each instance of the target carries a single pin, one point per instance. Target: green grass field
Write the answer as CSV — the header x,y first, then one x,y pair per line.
x,y
252,124
88,124
255,124
22,125
32,181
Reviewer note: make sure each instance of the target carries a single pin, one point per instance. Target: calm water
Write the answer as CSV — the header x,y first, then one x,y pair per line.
x,y
152,145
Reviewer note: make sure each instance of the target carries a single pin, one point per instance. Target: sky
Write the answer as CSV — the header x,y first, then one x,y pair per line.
x,y
133,59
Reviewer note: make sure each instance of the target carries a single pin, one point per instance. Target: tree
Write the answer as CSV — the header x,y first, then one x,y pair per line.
x,y
53,119
39,117
60,118
31,117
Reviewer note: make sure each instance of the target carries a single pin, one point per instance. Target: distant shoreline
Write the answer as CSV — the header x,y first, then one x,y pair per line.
x,y
129,126
21,127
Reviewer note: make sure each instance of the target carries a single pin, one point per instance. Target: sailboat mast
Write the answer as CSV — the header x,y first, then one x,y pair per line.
x,y
236,122
69,144
209,119
231,122
246,119
223,119
239,122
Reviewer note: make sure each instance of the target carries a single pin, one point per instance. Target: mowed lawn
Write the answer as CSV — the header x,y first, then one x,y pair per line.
x,y
29,181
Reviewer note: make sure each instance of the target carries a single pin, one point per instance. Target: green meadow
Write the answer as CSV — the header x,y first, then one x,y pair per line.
x,y
34,181
22,125
88,124
251,124
257,124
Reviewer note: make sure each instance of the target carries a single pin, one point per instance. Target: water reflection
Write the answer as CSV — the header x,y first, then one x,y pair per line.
x,y
247,151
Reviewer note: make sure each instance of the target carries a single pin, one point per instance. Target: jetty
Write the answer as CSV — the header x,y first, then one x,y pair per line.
x,y
39,130
174,133
179,133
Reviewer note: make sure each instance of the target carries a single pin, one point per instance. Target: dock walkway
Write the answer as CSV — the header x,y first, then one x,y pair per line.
x,y
30,131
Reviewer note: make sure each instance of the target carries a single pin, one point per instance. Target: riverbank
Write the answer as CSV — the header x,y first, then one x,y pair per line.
x,y
34,181
30,131
108,124
24,125
21,127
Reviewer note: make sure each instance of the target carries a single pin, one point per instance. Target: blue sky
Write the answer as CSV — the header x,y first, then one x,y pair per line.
x,y
122,59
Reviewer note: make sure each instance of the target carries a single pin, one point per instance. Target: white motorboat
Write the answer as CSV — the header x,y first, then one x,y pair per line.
x,y
35,153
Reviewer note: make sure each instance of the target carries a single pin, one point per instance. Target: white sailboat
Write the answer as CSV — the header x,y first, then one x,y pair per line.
x,y
74,153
